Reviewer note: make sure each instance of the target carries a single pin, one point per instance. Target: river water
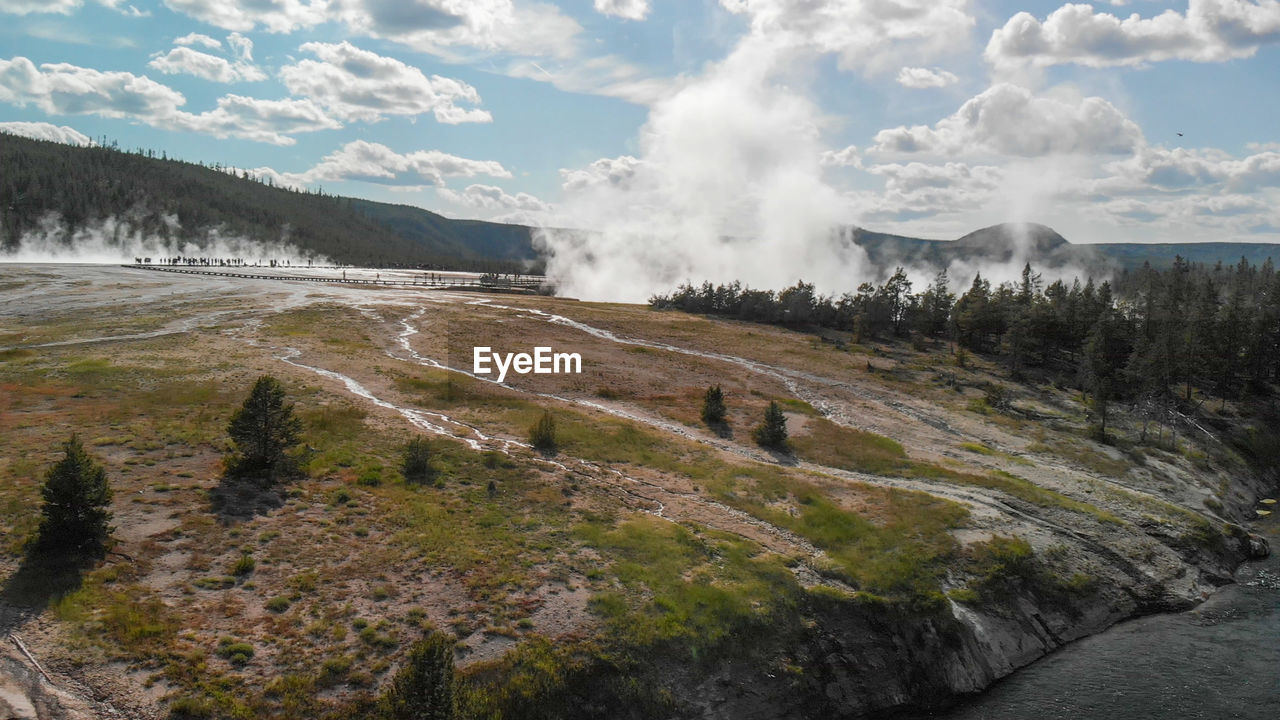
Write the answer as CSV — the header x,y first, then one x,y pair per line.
x,y
1220,660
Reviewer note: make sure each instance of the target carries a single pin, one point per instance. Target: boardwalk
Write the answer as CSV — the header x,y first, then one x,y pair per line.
x,y
425,279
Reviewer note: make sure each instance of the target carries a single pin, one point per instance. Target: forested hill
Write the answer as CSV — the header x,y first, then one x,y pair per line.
x,y
86,185
156,197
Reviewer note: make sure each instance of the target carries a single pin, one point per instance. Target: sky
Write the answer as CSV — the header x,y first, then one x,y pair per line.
x,y
1138,121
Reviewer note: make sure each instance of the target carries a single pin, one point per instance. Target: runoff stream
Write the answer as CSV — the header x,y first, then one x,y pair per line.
x,y
1217,661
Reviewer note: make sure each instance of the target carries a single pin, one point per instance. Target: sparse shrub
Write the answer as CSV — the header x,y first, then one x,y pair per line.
x,y
234,652
962,357
333,670
542,435
278,604
772,433
263,431
415,463
215,583
370,476
189,708
713,408
424,687
243,565
74,516
341,496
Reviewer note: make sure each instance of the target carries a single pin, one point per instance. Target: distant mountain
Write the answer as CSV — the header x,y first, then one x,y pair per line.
x,y
1043,246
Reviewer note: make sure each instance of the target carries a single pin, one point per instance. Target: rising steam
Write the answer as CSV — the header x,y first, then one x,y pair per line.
x,y
728,186
120,240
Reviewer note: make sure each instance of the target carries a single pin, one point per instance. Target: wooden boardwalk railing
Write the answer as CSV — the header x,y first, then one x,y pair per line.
x,y
525,282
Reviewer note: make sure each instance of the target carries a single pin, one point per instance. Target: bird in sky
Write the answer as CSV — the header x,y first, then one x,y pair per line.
x,y
1179,134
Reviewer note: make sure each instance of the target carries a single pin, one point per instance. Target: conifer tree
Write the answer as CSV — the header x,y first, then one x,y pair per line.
x,y
713,408
74,517
542,436
423,688
264,430
772,433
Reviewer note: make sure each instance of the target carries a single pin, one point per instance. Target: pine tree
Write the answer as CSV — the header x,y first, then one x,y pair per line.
x,y
415,464
423,688
773,432
264,430
74,516
713,408
1102,356
542,436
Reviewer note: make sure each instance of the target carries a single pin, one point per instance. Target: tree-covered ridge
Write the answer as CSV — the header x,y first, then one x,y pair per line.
x,y
1150,337
175,200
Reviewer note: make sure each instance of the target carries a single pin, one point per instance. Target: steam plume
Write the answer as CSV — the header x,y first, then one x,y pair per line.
x,y
728,186
120,240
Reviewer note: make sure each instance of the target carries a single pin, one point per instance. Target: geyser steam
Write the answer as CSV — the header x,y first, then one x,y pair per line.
x,y
120,240
728,186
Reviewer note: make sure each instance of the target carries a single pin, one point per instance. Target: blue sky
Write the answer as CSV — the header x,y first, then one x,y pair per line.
x,y
912,116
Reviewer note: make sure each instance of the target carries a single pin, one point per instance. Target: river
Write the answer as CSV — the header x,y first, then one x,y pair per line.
x,y
1219,660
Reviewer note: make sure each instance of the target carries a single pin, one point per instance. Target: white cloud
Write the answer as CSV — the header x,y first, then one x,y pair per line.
x,y
915,176
278,16
198,39
491,197
63,89
46,131
27,7
450,27
1181,169
269,121
184,60
844,157
606,75
377,163
1210,31
355,84
866,36
919,78
612,172
627,9
1009,120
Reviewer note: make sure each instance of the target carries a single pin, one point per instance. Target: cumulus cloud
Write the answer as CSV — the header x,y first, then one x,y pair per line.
x,y
355,84
377,163
612,172
198,39
63,89
1007,119
1181,169
919,78
491,197
46,131
452,27
269,121
277,16
183,60
27,7
844,157
1209,31
920,190
628,9
865,36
